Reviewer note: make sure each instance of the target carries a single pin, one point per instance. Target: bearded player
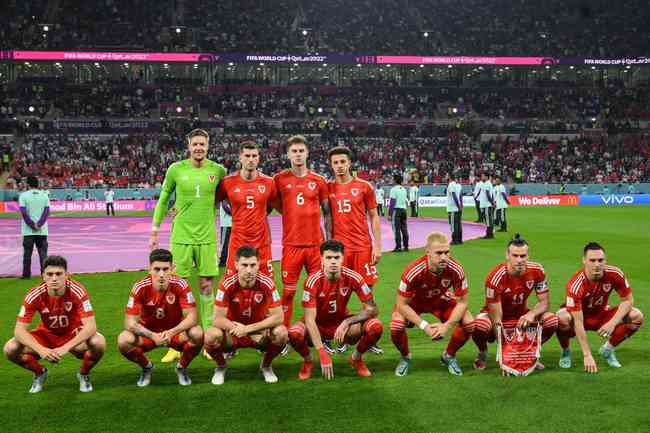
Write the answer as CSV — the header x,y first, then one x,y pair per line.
x,y
587,309
161,312
251,195
247,314
434,284
194,237
507,289
353,204
67,326
302,194
325,299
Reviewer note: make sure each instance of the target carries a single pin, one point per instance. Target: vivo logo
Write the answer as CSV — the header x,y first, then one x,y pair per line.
x,y
617,199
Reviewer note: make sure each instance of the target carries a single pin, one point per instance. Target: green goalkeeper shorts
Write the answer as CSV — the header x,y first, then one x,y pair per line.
x,y
203,256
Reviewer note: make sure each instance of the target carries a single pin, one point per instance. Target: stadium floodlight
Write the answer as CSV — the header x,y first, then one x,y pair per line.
x,y
196,66
178,30
46,28
179,109
425,34
320,109
450,66
305,32
358,65
126,65
96,65
261,64
231,64
454,110
571,67
422,66
31,109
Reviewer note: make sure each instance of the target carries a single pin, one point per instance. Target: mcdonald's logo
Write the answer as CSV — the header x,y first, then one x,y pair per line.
x,y
572,200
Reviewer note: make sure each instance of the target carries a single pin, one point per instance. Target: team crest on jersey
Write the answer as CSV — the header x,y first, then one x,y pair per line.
x,y
211,177
170,298
311,185
607,287
445,283
344,291
530,283
258,297
354,191
261,188
67,306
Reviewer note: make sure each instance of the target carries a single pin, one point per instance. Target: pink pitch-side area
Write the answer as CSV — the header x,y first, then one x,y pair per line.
x,y
103,244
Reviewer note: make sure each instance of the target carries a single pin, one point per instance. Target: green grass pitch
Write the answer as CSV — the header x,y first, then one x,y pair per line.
x,y
427,400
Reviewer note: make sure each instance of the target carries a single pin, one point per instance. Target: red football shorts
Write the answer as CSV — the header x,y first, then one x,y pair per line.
x,y
294,259
265,257
442,312
361,262
594,322
147,344
48,339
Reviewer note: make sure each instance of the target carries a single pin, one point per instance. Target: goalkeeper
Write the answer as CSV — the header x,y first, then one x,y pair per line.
x,y
193,233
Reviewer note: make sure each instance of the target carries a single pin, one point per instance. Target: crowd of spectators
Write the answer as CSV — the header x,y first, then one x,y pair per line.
x,y
470,27
141,160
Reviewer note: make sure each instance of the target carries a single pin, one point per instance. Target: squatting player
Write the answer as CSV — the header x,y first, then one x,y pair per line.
x,y
325,299
247,314
251,195
193,238
507,288
302,194
67,326
435,284
586,308
161,312
353,202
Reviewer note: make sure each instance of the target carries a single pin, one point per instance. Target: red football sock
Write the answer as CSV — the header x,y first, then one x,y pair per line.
x,y
190,350
90,359
216,352
297,339
371,335
458,338
564,337
399,337
287,304
549,327
482,328
28,361
623,331
272,350
137,355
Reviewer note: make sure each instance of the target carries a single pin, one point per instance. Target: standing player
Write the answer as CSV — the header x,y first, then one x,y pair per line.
x,y
353,202
302,194
194,238
587,309
434,284
455,210
247,313
67,326
379,196
486,203
502,203
325,299
251,195
161,312
507,288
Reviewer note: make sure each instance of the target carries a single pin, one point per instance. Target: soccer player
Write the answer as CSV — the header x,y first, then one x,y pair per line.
x,y
325,299
247,314
507,288
379,197
161,311
397,213
251,195
302,194
434,283
502,203
353,203
486,203
586,309
67,326
194,235
455,210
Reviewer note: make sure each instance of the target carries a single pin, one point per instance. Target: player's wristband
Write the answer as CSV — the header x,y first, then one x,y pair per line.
x,y
423,325
325,359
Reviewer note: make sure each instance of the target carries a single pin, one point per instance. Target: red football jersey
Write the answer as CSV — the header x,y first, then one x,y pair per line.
x,y
59,314
301,199
592,296
160,311
249,201
247,305
331,298
350,204
429,291
513,291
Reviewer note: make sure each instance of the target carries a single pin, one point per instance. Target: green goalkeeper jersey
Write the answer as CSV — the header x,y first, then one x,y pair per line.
x,y
194,222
